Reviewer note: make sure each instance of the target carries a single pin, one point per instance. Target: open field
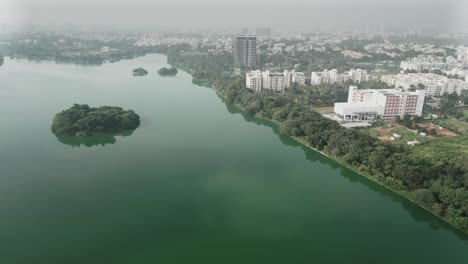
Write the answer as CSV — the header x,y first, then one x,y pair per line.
x,y
453,124
440,130
445,143
385,134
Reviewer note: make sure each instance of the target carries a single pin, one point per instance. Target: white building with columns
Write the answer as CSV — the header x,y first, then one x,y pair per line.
x,y
375,104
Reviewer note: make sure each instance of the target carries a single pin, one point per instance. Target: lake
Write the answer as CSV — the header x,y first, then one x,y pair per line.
x,y
197,182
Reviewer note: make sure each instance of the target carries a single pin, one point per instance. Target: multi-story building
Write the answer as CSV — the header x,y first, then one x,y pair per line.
x,y
435,85
375,104
274,81
254,80
462,55
245,51
358,75
332,77
294,77
462,52
426,63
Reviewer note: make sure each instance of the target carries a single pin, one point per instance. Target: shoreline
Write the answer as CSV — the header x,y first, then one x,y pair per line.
x,y
299,140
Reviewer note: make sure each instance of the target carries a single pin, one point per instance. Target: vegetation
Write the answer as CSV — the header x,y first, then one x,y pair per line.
x,y
96,140
1,60
167,71
139,72
438,183
82,120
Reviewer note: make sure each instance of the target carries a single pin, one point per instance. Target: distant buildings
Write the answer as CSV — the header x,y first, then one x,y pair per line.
x,y
375,104
273,81
245,51
263,32
151,40
427,63
462,56
353,54
332,77
435,85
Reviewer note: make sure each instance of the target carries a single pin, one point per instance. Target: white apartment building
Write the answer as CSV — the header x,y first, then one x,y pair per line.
x,y
435,85
358,75
324,77
274,81
332,77
427,63
462,56
375,104
294,77
253,80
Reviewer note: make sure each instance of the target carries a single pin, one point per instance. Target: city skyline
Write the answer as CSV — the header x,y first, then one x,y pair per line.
x,y
209,14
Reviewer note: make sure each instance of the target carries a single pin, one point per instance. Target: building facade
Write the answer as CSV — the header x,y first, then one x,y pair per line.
x,y
376,104
245,51
273,81
435,85
332,77
427,63
254,80
294,77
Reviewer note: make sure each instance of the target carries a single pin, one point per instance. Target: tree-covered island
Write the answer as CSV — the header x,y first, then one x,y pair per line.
x,y
140,72
82,120
167,71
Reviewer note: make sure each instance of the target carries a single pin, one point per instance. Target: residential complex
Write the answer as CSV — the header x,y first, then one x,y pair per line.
x,y
462,56
435,85
245,51
273,81
294,77
375,104
332,77
427,63
253,80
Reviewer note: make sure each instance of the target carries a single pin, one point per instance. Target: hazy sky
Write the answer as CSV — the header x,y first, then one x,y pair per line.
x,y
216,14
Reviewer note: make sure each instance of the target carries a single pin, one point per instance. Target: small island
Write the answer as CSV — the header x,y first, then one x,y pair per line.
x,y
139,72
167,71
82,121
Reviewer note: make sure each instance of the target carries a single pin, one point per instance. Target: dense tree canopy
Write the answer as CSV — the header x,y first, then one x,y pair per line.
x,y
140,72
82,120
167,71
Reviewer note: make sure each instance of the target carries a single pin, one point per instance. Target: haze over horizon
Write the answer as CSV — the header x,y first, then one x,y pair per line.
x,y
213,14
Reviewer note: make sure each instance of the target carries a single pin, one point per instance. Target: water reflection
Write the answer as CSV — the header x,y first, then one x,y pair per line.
x,y
416,213
92,141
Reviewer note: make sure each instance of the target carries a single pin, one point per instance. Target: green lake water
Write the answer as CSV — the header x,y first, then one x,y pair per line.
x,y
197,182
